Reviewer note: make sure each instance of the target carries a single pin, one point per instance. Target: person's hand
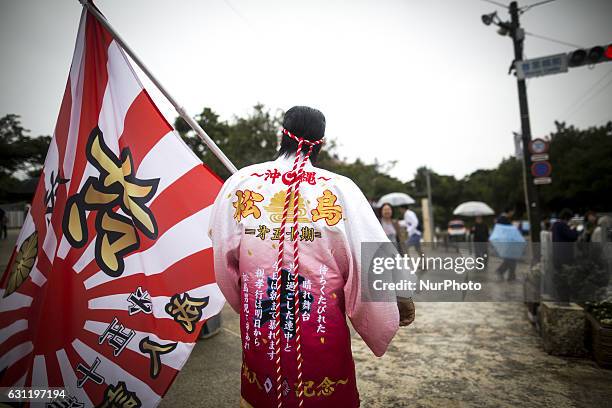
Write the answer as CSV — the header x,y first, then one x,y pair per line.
x,y
406,311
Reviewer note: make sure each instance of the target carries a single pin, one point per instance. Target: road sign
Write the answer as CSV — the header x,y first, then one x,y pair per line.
x,y
541,169
542,180
539,157
549,65
538,146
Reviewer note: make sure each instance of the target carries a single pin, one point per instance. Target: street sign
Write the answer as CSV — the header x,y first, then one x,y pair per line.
x,y
538,146
539,157
542,180
518,145
549,65
541,169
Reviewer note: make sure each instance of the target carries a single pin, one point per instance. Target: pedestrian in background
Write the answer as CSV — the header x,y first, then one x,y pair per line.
x,y
590,223
562,235
3,224
563,238
412,229
480,237
508,264
391,227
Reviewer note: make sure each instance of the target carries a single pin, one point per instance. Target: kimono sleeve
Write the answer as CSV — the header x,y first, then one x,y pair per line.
x,y
225,235
376,322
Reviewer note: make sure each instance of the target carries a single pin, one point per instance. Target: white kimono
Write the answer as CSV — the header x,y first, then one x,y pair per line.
x,y
334,219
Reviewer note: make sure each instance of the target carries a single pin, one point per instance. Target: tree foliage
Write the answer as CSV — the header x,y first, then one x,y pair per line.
x,y
582,169
20,154
244,141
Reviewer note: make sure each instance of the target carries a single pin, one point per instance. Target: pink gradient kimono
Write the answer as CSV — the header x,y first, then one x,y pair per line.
x,y
334,219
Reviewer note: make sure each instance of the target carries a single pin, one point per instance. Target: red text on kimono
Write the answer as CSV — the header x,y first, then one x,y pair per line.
x,y
288,177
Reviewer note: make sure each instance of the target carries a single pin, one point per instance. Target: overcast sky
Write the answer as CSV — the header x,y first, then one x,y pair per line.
x,y
419,82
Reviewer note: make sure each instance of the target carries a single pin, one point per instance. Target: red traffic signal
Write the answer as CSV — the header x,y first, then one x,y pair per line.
x,y
590,56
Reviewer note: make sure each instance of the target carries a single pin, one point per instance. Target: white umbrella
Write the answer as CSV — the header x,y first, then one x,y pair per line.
x,y
473,209
395,199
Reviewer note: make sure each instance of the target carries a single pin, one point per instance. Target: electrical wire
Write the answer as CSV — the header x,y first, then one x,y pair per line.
x,y
496,3
543,37
585,98
530,6
240,15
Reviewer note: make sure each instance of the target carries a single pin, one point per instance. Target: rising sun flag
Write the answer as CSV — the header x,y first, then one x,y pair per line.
x,y
111,278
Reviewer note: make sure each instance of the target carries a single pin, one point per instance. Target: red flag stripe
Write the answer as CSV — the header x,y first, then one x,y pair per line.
x,y
97,41
181,277
15,340
54,375
144,126
169,208
63,124
6,318
16,371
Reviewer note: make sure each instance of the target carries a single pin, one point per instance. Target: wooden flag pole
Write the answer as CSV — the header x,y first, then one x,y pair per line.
x,y
179,109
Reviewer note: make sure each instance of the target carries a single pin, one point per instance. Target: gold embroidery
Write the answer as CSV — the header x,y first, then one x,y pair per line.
x,y
250,376
245,204
24,262
277,204
327,209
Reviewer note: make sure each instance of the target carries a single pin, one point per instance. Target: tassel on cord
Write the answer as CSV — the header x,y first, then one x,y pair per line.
x,y
294,188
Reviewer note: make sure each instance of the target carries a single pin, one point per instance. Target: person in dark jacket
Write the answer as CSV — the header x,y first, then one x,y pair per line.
x,y
562,233
480,236
3,224
563,252
590,223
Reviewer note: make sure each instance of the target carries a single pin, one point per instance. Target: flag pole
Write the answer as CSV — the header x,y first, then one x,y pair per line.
x,y
179,109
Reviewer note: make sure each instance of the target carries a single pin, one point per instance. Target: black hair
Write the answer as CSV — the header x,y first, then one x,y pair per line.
x,y
307,123
566,214
381,208
508,209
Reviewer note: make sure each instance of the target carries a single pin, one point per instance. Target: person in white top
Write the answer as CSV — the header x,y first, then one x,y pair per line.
x,y
412,223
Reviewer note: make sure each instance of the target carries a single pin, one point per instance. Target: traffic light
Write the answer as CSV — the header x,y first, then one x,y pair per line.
x,y
594,55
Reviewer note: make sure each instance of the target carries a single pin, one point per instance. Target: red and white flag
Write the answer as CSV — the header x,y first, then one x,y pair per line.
x,y
112,275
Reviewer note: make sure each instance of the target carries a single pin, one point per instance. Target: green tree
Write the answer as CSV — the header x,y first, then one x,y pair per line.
x,y
370,178
244,141
20,155
500,188
581,169
254,139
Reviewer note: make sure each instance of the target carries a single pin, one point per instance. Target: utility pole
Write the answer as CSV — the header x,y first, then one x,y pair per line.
x,y
548,65
531,192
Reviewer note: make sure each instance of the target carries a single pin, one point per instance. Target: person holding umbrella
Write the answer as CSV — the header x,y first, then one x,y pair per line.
x,y
403,200
480,231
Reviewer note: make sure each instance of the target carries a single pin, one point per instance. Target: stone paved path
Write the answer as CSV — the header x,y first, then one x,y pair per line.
x,y
454,355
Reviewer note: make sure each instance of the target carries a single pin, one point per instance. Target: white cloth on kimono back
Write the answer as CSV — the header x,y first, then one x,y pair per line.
x,y
334,219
